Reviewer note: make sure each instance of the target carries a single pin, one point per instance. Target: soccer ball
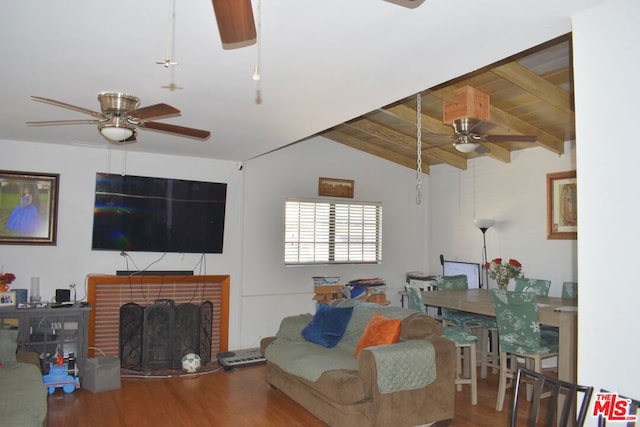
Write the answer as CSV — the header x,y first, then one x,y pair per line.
x,y
191,363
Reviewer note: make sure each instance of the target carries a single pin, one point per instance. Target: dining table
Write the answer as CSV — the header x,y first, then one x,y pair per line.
x,y
552,311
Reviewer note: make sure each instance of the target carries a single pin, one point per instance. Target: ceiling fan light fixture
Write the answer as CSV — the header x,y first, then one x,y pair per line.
x,y
466,147
115,133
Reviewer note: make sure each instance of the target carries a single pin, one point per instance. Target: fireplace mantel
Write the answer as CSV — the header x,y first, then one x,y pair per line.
x,y
106,293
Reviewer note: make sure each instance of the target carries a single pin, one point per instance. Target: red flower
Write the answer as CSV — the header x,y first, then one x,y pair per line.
x,y
497,261
7,278
487,265
515,263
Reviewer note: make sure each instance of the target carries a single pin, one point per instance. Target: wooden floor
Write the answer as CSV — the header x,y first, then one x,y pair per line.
x,y
235,398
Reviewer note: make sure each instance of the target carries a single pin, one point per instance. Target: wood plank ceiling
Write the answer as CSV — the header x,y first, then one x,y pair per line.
x,y
529,94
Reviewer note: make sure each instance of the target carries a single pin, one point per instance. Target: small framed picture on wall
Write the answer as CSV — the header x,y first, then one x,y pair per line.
x,y
562,206
335,187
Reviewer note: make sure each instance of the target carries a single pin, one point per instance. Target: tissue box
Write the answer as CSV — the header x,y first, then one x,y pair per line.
x,y
101,374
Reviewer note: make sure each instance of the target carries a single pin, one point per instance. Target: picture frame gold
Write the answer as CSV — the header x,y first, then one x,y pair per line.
x,y
28,207
336,187
562,212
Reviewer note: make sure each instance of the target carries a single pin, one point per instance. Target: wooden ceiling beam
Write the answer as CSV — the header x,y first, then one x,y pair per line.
x,y
379,131
408,114
498,152
394,137
526,103
538,86
545,139
445,156
358,144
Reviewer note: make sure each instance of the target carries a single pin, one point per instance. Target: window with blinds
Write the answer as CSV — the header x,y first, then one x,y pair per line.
x,y
332,232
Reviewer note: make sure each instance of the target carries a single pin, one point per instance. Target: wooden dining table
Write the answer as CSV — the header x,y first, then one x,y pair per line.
x,y
552,311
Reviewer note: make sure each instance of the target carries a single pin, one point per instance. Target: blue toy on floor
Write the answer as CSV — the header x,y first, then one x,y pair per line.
x,y
58,376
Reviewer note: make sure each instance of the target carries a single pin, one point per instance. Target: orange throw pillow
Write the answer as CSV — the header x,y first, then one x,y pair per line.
x,y
380,330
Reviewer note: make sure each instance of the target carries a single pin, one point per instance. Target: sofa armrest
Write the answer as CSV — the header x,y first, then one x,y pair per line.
x,y
420,326
291,327
28,357
290,330
264,342
444,360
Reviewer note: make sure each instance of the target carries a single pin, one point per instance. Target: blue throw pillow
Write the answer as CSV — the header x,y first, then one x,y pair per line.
x,y
328,325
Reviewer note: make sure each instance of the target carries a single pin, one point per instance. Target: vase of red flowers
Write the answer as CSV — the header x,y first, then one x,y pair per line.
x,y
502,273
5,281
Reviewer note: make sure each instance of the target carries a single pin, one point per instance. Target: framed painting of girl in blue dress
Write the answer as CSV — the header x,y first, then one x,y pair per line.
x,y
28,208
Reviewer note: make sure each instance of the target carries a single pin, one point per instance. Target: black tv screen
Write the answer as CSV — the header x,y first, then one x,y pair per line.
x,y
136,213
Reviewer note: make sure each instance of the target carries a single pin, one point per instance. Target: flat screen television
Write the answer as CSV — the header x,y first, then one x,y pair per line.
x,y
469,269
143,214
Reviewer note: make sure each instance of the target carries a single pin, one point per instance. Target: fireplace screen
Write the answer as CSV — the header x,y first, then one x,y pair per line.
x,y
157,336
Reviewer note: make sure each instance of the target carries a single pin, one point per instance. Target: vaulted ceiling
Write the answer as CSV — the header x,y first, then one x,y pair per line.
x,y
529,94
345,70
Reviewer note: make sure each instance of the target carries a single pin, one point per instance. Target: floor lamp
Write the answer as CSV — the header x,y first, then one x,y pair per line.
x,y
484,225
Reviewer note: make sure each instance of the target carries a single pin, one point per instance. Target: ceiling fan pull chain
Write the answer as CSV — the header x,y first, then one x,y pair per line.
x,y
419,149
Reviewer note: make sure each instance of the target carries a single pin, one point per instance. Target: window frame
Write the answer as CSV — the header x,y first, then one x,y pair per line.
x,y
332,231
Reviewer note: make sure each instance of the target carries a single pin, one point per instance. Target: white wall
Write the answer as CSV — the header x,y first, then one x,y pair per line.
x,y
72,259
271,290
606,61
262,289
514,195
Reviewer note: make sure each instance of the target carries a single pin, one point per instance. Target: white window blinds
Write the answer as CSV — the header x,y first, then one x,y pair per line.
x,y
332,232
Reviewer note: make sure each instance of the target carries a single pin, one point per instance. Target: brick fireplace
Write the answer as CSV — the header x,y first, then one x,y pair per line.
x,y
107,294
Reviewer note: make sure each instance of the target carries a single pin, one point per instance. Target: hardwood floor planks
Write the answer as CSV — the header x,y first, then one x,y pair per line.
x,y
235,398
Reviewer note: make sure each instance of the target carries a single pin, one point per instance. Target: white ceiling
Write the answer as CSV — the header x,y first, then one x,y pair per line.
x,y
322,62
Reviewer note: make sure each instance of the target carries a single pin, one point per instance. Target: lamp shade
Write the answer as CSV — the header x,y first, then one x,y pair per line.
x,y
114,133
483,223
466,147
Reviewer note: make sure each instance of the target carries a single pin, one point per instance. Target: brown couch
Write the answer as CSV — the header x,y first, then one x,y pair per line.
x,y
349,392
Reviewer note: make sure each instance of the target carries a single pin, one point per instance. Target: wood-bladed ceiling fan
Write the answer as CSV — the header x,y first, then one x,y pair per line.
x,y
469,134
235,21
236,24
121,116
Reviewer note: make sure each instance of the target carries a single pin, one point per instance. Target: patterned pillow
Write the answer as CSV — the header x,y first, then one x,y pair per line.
x,y
380,330
328,325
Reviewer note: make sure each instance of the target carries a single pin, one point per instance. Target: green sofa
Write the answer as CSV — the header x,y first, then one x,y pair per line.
x,y
407,383
23,396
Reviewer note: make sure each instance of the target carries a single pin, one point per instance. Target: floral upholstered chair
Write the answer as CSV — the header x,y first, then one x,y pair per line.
x,y
570,290
520,335
540,287
450,316
478,323
464,340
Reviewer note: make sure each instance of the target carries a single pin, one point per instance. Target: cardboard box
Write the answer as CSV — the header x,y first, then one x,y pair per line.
x,y
324,294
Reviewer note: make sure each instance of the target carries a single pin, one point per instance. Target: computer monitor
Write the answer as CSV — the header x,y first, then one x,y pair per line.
x,y
469,269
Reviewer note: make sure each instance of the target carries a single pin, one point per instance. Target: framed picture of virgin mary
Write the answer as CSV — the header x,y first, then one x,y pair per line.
x,y
562,207
28,208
